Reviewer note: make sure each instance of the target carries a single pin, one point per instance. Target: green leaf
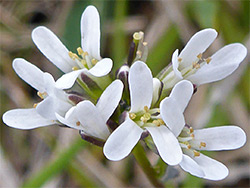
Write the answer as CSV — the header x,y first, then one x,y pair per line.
x,y
52,168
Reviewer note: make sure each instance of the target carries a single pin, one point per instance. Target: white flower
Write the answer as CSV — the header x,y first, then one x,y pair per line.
x,y
211,139
43,113
89,60
190,64
140,118
92,119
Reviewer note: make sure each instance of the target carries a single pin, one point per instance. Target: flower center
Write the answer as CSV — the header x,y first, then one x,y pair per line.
x,y
185,140
83,59
147,117
187,71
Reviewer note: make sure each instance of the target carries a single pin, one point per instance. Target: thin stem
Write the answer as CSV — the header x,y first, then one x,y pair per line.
x,y
143,161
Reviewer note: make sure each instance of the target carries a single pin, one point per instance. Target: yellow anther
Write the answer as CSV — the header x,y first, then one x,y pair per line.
x,y
203,144
192,135
80,51
208,60
83,62
73,55
196,153
132,115
35,105
196,65
41,95
191,129
189,146
94,61
143,119
179,59
156,122
161,121
146,109
85,54
78,123
199,56
74,68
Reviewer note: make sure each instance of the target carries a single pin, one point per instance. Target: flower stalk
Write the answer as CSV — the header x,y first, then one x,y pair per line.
x,y
144,163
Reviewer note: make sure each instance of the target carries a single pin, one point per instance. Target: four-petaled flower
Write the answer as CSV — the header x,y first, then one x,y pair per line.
x,y
54,100
92,119
191,65
211,139
89,60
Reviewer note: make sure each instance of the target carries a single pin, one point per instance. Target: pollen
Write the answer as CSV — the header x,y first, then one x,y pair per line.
x,y
191,129
189,146
179,59
80,51
196,65
78,123
203,144
146,109
72,55
41,95
199,56
94,61
74,68
196,153
208,60
132,115
157,123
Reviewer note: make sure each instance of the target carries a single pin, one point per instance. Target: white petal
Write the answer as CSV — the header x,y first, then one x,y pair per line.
x,y
140,85
48,43
102,67
92,120
70,119
172,108
67,80
90,31
219,138
166,144
25,119
49,83
110,99
199,42
223,63
214,170
29,73
182,93
122,140
189,165
172,115
175,64
46,108
157,87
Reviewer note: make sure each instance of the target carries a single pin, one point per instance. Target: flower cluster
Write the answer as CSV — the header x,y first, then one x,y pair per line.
x,y
117,113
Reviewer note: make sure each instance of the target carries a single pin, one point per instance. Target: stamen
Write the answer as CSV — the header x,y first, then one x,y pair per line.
x,y
132,116
42,95
157,123
35,105
196,65
78,123
73,55
199,56
203,144
184,139
145,117
191,129
80,51
192,135
196,153
161,122
208,60
179,59
94,61
74,68
146,109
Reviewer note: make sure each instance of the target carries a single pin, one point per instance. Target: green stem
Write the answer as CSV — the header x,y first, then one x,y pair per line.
x,y
143,161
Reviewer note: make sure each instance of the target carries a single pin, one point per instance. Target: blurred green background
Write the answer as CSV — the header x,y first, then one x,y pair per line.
x,y
56,157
